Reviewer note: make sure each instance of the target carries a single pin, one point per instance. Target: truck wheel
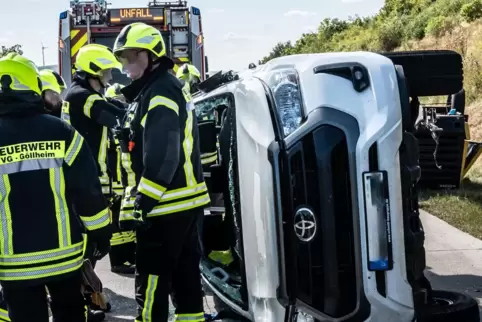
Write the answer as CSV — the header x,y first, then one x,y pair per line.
x,y
449,307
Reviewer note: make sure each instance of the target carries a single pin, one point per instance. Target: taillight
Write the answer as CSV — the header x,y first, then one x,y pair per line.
x,y
88,10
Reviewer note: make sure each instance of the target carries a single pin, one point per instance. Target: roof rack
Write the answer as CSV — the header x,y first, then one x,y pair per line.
x,y
217,80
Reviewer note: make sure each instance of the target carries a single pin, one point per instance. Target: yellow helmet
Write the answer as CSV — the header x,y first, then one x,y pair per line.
x,y
51,80
22,73
138,35
114,90
187,72
94,59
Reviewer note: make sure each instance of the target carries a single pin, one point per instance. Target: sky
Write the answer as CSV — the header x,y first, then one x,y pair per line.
x,y
236,33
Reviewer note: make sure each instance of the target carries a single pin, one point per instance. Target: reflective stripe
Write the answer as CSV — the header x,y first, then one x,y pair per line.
x,y
74,148
57,184
65,112
186,92
151,189
127,205
90,102
184,192
100,220
123,238
187,145
30,165
104,180
164,101
118,165
180,206
157,101
209,157
149,299
196,200
6,216
127,165
118,188
196,317
126,215
4,315
42,271
102,157
171,195
43,256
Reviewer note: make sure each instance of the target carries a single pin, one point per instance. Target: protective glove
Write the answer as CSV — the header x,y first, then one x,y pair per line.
x,y
142,206
102,247
141,221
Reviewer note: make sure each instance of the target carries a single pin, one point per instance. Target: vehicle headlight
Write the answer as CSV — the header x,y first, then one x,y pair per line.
x,y
287,95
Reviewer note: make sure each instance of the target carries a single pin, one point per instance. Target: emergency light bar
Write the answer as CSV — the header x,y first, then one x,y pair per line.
x,y
129,15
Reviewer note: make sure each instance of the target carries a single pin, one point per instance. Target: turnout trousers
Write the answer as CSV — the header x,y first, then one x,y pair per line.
x,y
29,303
167,261
3,309
122,244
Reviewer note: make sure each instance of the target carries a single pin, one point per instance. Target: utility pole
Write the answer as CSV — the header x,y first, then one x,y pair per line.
x,y
43,53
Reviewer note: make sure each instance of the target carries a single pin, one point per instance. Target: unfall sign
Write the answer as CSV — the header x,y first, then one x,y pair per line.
x,y
128,15
135,13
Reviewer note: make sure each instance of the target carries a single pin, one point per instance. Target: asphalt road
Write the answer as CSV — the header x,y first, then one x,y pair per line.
x,y
454,262
120,293
454,258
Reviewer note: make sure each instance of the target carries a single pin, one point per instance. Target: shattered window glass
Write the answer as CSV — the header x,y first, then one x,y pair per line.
x,y
205,110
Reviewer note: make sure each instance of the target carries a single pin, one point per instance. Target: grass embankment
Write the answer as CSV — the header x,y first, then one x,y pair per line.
x,y
412,25
461,208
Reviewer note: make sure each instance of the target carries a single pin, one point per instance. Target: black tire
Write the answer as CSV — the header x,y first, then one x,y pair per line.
x,y
408,119
430,72
450,307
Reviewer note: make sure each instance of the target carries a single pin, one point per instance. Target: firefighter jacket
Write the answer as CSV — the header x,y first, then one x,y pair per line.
x,y
92,116
50,195
118,178
163,165
116,172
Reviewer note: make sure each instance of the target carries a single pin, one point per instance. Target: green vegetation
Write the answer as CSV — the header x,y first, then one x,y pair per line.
x,y
411,25
400,24
397,22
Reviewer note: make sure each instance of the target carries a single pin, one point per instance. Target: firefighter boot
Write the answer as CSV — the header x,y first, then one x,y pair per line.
x,y
95,316
125,269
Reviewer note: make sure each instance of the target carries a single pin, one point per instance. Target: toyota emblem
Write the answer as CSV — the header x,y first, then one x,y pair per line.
x,y
305,224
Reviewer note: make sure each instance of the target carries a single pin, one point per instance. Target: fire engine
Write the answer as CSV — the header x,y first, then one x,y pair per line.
x,y
95,22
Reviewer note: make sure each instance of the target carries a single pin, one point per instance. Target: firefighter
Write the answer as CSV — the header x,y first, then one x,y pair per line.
x,y
87,110
53,86
191,75
47,174
166,191
123,247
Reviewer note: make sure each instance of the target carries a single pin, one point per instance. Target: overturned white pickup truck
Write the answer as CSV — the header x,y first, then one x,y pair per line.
x,y
314,188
